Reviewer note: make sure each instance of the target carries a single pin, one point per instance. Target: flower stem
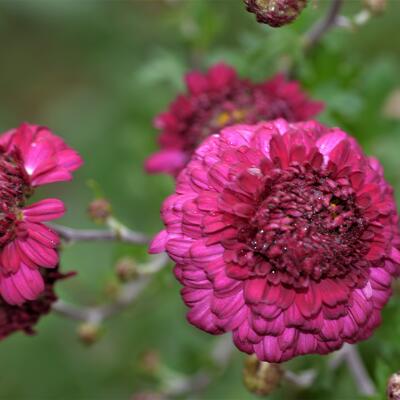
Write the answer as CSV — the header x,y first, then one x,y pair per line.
x,y
124,235
127,295
314,35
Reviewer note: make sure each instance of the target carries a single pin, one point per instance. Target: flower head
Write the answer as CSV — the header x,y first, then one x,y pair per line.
x,y
276,12
285,234
30,156
14,318
217,99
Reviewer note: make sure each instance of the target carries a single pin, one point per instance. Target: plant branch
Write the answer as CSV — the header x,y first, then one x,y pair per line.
x,y
303,379
314,35
128,293
124,235
357,369
181,385
349,354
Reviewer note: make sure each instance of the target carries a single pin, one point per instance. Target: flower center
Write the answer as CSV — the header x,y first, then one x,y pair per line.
x,y
14,188
241,103
307,226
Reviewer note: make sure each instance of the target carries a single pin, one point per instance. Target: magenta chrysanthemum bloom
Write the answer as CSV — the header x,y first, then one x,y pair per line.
x,y
23,317
219,98
285,234
30,156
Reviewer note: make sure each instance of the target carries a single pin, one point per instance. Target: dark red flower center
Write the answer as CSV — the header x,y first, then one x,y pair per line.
x,y
14,188
306,226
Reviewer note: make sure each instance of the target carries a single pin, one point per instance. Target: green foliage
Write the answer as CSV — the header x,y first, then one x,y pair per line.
x,y
97,73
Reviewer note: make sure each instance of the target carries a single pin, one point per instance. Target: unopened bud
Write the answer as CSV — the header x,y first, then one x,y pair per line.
x,y
393,387
391,107
261,378
88,333
112,289
126,269
376,6
150,362
148,396
99,210
276,12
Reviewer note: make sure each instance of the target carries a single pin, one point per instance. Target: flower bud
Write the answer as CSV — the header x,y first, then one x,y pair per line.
x,y
99,210
375,6
148,396
150,362
126,269
393,387
276,12
261,378
112,289
88,333
391,107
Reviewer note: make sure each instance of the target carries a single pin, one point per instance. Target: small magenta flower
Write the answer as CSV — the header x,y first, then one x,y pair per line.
x,y
219,98
276,13
285,234
30,156
15,318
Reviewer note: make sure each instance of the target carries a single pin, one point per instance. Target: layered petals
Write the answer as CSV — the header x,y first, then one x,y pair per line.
x,y
285,234
30,156
30,295
219,98
45,156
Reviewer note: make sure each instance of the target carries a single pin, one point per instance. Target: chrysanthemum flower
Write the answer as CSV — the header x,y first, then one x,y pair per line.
x,y
286,235
30,156
217,99
15,318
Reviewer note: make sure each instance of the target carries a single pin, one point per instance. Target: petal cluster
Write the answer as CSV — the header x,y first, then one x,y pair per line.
x,y
30,156
219,98
15,318
285,234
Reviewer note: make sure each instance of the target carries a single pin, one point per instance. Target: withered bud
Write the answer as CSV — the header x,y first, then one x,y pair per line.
x,y
393,387
276,12
99,210
376,6
259,377
88,333
126,269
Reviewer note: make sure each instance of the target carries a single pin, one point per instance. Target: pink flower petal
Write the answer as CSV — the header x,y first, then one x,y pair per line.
x,y
158,243
25,284
37,253
169,161
44,210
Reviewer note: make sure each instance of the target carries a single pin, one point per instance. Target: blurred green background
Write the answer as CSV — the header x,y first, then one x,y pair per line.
x,y
96,72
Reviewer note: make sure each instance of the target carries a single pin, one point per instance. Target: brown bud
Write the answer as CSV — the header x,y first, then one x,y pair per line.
x,y
88,333
376,6
393,387
99,210
276,12
148,396
260,377
391,108
150,362
112,289
126,269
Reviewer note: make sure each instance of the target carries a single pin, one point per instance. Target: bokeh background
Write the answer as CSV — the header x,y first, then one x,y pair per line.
x,y
97,72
